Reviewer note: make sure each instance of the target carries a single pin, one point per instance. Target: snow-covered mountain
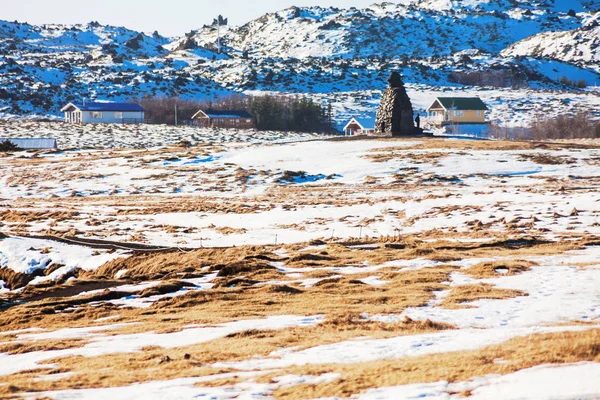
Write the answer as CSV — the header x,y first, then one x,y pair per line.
x,y
416,30
305,50
580,46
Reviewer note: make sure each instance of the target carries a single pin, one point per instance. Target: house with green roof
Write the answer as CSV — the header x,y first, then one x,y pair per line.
x,y
457,110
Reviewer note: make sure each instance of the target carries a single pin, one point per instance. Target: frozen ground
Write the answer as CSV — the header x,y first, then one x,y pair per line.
x,y
543,382
224,195
115,136
102,344
375,269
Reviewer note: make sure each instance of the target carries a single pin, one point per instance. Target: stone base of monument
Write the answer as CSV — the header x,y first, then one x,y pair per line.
x,y
416,132
422,133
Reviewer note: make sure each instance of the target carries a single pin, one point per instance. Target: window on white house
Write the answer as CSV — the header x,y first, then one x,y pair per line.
x,y
237,121
96,115
459,113
118,115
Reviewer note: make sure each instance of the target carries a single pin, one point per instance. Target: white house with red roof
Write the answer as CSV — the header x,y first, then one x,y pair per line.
x,y
360,126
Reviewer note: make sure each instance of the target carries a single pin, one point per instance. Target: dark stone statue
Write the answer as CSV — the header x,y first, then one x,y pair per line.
x,y
395,114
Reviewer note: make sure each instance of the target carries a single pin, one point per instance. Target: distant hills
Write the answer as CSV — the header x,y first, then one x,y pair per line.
x,y
505,43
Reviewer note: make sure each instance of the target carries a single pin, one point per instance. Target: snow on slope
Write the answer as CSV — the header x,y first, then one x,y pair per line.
x,y
393,30
30,255
55,38
580,46
539,383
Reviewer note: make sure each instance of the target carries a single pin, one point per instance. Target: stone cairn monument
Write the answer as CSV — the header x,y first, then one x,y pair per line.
x,y
395,114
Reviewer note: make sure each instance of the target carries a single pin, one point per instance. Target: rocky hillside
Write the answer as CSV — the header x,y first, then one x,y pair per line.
x,y
579,46
500,43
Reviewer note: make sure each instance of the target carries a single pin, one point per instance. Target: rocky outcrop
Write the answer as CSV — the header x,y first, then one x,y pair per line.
x,y
395,114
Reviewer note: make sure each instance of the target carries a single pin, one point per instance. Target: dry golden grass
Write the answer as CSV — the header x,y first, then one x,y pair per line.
x,y
444,144
495,269
516,354
226,230
460,296
292,226
548,159
238,296
256,263
194,204
224,303
158,363
149,369
35,216
18,347
428,157
410,289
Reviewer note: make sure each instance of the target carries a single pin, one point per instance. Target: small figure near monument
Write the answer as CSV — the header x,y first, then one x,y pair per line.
x,y
395,114
418,121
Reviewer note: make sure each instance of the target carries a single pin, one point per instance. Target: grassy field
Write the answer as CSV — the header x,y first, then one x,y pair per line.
x,y
319,269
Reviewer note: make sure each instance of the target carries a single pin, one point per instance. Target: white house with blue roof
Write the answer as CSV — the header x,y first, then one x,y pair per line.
x,y
360,126
89,112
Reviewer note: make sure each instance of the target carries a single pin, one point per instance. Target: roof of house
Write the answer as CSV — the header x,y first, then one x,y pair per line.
x,y
364,122
461,103
105,106
32,143
228,114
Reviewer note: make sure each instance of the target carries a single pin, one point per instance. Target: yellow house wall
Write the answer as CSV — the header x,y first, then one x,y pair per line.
x,y
468,116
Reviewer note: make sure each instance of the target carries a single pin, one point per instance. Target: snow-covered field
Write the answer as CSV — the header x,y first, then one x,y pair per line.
x,y
106,136
293,269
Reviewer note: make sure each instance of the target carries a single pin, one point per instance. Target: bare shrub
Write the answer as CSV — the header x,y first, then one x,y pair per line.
x,y
509,133
580,84
576,126
504,77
